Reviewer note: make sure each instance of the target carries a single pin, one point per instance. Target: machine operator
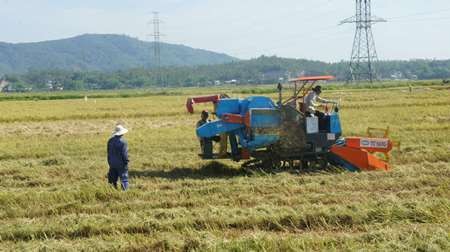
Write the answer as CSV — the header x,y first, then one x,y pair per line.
x,y
311,100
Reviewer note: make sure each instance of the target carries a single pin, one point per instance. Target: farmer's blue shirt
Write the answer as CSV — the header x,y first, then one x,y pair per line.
x,y
118,153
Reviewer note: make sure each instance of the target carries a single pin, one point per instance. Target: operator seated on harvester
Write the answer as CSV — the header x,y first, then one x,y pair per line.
x,y
310,102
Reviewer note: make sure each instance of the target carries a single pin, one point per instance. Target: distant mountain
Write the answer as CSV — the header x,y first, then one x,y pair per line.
x,y
94,52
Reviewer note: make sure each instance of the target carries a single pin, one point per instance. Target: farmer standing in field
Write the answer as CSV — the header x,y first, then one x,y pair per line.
x,y
118,158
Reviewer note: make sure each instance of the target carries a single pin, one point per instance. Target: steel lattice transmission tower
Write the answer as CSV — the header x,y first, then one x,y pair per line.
x,y
157,45
364,53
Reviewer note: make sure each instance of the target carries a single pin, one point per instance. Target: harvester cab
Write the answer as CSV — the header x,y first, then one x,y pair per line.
x,y
271,135
301,87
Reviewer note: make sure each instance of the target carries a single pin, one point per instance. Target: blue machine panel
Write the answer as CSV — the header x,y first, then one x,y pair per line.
x,y
265,118
260,141
216,128
237,106
243,106
228,106
335,124
260,102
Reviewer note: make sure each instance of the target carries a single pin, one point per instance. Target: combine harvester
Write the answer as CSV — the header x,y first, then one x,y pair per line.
x,y
273,136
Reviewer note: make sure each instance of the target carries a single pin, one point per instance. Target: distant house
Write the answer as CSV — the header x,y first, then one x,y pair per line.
x,y
231,82
54,86
397,75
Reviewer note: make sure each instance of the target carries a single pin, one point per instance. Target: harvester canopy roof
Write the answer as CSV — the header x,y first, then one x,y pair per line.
x,y
313,78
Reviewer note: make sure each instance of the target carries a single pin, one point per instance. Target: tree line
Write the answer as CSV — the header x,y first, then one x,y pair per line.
x,y
262,70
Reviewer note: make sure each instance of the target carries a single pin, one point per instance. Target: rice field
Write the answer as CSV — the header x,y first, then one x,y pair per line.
x,y
54,194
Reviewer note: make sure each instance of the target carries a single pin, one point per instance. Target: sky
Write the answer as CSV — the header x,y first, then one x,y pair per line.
x,y
241,28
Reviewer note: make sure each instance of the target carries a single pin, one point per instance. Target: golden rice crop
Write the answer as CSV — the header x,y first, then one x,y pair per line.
x,y
54,194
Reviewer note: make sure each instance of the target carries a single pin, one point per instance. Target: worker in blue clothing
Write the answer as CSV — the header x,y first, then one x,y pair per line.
x,y
205,143
118,158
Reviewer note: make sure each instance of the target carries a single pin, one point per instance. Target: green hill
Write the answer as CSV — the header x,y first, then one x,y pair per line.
x,y
93,52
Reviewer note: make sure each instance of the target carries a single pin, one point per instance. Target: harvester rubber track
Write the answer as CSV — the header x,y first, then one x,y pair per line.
x,y
265,165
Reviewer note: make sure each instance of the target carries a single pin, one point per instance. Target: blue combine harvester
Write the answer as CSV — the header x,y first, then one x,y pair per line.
x,y
278,135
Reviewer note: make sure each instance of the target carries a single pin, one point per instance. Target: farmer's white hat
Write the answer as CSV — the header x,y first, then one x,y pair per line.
x,y
119,130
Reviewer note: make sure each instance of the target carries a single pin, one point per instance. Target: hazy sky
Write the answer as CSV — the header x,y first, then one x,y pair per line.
x,y
241,28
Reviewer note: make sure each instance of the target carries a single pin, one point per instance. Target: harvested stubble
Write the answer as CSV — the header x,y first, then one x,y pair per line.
x,y
54,194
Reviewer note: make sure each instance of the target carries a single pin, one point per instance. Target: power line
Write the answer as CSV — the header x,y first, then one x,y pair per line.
x,y
304,19
424,19
305,35
420,14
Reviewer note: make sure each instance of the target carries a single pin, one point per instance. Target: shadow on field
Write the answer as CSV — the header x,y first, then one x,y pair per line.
x,y
210,170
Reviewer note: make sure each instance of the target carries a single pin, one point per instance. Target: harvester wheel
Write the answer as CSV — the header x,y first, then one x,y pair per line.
x,y
252,165
318,164
303,165
277,165
291,164
265,165
270,165
322,164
